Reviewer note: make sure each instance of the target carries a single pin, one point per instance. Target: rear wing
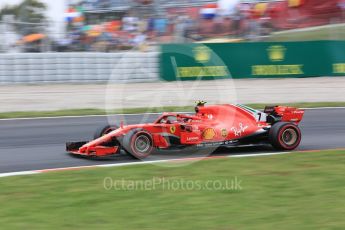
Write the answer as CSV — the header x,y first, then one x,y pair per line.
x,y
285,113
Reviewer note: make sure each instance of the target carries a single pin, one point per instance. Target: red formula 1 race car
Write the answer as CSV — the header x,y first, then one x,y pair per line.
x,y
210,127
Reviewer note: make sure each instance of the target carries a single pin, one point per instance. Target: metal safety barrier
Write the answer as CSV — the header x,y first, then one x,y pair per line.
x,y
79,67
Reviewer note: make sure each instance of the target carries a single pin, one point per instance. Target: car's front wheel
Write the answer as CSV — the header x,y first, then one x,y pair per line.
x,y
138,143
285,136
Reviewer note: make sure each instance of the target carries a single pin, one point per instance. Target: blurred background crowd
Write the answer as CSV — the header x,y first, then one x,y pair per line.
x,y
114,25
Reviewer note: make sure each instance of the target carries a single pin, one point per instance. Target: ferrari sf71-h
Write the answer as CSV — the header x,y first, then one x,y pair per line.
x,y
210,127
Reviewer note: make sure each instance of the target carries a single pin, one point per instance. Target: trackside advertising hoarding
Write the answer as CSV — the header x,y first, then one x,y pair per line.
x,y
252,60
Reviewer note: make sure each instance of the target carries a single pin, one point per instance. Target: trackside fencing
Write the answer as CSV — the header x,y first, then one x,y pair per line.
x,y
179,62
78,67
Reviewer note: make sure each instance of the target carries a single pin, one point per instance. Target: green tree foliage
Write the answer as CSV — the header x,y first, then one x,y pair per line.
x,y
29,11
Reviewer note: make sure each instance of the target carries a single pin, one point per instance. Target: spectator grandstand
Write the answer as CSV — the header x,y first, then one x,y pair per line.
x,y
112,25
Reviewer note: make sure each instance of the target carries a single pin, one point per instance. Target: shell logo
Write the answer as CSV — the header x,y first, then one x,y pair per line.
x,y
208,134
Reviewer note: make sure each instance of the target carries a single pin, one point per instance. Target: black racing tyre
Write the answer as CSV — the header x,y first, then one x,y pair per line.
x,y
138,143
103,130
285,136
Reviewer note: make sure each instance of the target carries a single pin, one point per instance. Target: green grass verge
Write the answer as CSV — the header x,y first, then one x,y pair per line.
x,y
82,112
331,32
293,191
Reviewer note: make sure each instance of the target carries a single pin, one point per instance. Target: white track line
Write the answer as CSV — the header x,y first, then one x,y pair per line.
x,y
18,173
259,155
32,172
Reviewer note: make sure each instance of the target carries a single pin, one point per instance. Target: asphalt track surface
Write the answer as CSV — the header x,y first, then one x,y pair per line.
x,y
36,144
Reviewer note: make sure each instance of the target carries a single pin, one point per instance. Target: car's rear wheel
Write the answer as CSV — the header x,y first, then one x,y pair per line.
x,y
285,136
138,143
103,130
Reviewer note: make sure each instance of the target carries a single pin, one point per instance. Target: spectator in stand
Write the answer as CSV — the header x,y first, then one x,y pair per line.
x,y
180,29
160,26
139,41
130,24
236,21
218,21
246,18
143,25
254,26
341,5
191,32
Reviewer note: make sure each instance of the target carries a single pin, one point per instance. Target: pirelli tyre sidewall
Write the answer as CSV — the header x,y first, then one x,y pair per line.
x,y
103,130
138,143
285,136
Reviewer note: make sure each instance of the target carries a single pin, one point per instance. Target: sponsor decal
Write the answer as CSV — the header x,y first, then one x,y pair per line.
x,y
276,53
339,68
224,133
212,144
238,131
192,138
208,134
172,129
202,54
277,70
203,71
